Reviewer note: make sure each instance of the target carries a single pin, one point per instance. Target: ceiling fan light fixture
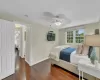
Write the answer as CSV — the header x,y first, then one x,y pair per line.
x,y
58,23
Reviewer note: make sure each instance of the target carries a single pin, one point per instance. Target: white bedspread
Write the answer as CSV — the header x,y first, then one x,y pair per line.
x,y
74,58
54,54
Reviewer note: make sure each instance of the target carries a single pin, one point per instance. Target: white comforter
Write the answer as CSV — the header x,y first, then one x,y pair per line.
x,y
54,54
74,58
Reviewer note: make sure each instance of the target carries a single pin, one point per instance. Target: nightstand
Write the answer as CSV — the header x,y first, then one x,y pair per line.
x,y
86,66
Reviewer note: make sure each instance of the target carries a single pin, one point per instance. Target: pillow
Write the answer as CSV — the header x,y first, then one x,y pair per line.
x,y
93,55
90,50
85,50
79,49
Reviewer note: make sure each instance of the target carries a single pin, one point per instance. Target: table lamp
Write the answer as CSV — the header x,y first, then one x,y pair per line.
x,y
93,40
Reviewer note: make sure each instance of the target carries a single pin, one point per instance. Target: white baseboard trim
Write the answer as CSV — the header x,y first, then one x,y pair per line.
x,y
31,64
27,62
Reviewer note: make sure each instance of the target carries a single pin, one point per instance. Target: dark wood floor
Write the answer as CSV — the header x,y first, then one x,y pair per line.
x,y
41,71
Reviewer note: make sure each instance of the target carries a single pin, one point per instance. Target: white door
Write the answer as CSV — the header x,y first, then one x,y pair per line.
x,y
7,53
22,42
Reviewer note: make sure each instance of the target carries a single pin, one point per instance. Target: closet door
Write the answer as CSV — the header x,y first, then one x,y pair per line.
x,y
7,54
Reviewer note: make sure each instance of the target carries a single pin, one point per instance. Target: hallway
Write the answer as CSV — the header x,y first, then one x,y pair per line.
x,y
39,71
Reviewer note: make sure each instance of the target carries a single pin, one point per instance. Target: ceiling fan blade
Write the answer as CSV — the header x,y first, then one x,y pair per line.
x,y
61,16
48,14
64,18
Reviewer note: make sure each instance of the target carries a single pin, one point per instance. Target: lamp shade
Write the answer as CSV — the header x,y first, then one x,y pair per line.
x,y
92,40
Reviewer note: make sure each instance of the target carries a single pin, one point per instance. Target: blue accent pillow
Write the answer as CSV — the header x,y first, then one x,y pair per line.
x,y
93,54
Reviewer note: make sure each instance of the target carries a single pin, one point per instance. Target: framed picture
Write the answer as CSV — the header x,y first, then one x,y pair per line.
x,y
96,31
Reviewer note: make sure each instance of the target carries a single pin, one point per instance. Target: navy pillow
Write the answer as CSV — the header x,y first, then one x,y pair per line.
x,y
90,51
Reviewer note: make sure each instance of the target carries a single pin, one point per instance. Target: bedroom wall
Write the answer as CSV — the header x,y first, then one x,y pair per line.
x,y
38,48
89,29
62,36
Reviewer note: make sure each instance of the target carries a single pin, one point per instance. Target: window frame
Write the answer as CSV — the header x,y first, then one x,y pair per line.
x,y
74,36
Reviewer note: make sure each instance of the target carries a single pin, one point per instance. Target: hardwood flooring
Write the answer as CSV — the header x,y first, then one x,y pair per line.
x,y
41,71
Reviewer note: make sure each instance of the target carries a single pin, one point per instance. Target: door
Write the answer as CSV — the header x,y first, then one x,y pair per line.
x,y
22,42
7,53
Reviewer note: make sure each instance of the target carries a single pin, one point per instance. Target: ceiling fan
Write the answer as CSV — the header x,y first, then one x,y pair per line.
x,y
58,20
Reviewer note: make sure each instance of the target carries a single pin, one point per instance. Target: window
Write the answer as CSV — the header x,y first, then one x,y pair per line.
x,y
75,36
70,37
79,36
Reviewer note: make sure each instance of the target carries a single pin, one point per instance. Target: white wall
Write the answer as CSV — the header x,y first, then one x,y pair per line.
x,y
23,42
89,29
38,47
28,45
62,36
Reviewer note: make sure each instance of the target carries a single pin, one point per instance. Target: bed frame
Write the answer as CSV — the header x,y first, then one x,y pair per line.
x,y
70,67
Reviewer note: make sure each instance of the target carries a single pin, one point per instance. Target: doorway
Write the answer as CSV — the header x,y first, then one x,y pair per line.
x,y
20,40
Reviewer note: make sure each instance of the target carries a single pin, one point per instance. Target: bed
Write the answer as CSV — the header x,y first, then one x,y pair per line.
x,y
58,57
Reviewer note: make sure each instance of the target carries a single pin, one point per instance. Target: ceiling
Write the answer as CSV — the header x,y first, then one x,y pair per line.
x,y
30,11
